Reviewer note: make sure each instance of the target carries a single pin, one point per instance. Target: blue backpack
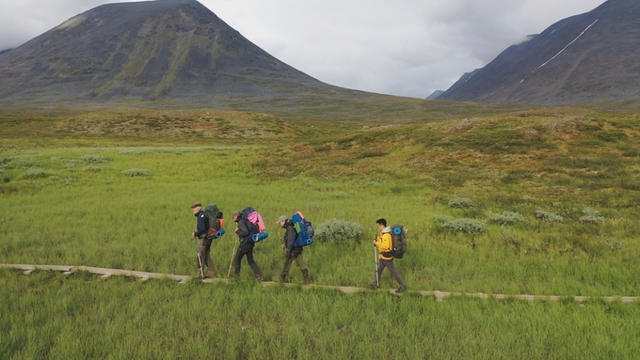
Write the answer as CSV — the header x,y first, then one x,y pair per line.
x,y
304,229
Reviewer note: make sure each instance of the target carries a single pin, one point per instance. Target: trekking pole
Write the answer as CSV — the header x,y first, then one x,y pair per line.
x,y
375,259
233,255
199,261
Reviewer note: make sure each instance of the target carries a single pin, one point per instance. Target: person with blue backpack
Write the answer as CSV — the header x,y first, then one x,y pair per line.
x,y
292,252
384,243
245,231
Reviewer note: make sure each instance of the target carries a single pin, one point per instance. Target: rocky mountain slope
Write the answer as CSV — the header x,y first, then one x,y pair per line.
x,y
585,58
165,51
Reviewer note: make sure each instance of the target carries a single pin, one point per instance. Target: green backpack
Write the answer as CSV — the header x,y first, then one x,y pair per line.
x,y
216,221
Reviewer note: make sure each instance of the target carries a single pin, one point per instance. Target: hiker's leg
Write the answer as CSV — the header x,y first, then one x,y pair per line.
x,y
207,258
300,261
254,266
285,268
377,276
236,260
201,256
306,279
395,274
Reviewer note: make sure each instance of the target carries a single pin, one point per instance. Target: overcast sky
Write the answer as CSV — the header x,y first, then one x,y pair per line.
x,y
398,47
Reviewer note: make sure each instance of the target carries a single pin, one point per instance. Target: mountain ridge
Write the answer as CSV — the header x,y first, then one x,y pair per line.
x,y
175,51
583,58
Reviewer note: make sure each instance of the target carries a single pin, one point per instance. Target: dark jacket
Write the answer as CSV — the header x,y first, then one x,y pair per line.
x,y
290,237
244,230
203,225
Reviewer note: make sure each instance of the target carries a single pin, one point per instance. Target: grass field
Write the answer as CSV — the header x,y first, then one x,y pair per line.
x,y
49,315
539,201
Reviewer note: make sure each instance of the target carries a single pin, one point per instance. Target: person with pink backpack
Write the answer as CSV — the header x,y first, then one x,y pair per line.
x,y
247,232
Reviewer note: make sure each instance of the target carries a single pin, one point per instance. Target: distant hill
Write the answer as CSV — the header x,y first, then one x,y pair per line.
x,y
4,51
167,51
434,95
584,58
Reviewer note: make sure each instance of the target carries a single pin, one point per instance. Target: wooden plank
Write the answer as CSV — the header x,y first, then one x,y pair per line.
x,y
182,279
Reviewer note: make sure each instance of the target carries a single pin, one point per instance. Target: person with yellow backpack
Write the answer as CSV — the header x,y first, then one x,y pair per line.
x,y
384,243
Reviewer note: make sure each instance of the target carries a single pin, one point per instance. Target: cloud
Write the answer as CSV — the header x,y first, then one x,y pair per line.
x,y
400,47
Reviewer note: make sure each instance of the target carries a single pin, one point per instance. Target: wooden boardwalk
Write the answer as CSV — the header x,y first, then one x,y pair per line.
x,y
438,295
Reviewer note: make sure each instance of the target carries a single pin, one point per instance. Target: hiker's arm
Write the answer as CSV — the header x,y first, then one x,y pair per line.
x,y
242,229
291,238
203,227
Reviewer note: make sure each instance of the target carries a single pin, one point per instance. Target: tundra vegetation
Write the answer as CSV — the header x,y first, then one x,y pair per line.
x,y
515,201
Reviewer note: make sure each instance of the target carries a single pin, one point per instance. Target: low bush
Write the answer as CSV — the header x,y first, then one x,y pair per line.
x,y
91,168
591,216
506,218
137,172
548,216
465,225
338,231
441,219
460,203
35,174
93,158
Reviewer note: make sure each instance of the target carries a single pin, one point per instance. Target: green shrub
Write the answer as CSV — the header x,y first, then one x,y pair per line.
x,y
134,151
91,168
460,203
35,174
93,158
441,219
548,216
615,245
506,218
137,172
468,226
338,231
612,136
591,216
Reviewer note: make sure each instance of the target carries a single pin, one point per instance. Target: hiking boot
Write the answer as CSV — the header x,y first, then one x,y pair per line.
x,y
401,289
306,277
257,272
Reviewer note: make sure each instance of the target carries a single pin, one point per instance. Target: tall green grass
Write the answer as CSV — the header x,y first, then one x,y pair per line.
x,y
120,200
50,315
109,219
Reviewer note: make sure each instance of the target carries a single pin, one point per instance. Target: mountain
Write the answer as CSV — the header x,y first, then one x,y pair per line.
x,y
169,51
589,57
434,95
4,51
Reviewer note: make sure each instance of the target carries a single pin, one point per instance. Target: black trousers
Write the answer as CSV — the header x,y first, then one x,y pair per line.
x,y
245,249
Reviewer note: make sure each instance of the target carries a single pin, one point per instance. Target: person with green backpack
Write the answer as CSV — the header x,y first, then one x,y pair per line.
x,y
203,242
384,243
292,252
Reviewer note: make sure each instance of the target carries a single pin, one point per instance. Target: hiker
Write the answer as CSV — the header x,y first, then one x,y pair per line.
x,y
291,252
245,230
203,242
384,243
